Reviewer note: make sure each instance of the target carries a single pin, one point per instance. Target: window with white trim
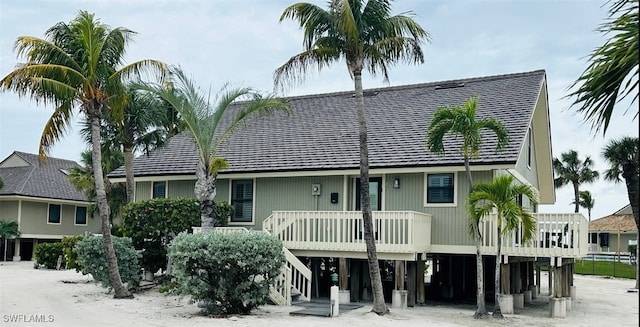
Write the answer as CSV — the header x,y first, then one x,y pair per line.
x,y
242,200
440,188
529,148
81,216
54,215
159,190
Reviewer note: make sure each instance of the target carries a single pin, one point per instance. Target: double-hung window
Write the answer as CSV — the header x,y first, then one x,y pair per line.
x,y
81,216
54,215
440,189
242,200
159,190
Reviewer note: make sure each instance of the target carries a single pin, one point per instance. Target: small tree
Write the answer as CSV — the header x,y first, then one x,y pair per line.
x,y
232,273
8,229
500,195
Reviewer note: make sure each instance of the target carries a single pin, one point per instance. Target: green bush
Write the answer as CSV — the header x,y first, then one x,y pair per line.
x,y
151,225
47,254
68,242
92,259
230,272
223,211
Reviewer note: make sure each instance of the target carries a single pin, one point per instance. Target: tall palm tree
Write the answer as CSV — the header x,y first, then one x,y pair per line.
x,y
79,66
500,196
205,120
570,169
8,229
367,37
461,121
612,74
586,201
622,156
142,128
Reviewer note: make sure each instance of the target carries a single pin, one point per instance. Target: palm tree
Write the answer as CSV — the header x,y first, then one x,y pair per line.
x,y
79,65
461,121
205,121
500,195
622,156
82,179
366,36
586,201
8,229
612,74
141,129
570,169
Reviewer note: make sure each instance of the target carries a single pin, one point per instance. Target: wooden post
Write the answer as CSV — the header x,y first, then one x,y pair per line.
x,y
355,280
420,280
343,274
506,280
411,283
399,275
557,282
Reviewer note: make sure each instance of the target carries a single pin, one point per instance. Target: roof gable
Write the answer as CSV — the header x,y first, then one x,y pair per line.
x,y
26,176
322,131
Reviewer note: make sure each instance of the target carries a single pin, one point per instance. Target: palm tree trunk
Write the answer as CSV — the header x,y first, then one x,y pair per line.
x,y
497,313
5,250
630,175
128,168
205,191
120,291
379,305
576,196
481,310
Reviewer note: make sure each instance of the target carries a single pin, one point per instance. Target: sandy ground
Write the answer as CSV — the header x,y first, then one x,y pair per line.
x,y
67,298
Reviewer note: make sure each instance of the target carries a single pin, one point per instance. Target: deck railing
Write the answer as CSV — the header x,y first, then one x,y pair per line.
x,y
394,231
558,235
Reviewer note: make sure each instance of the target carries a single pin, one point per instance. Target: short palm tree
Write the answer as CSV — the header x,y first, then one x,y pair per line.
x,y
367,37
622,156
461,122
8,229
79,66
499,196
569,169
612,74
205,120
586,201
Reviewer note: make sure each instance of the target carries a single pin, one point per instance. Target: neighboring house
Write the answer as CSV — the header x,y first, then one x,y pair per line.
x,y
613,233
297,177
43,202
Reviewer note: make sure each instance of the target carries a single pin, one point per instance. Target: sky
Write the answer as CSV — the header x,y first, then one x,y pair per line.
x,y
241,42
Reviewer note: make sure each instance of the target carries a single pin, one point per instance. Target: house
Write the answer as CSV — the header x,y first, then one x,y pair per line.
x,y
614,233
296,176
43,202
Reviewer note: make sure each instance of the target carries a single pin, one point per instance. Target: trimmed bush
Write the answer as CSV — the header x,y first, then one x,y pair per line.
x,y
47,254
92,258
151,225
68,242
230,272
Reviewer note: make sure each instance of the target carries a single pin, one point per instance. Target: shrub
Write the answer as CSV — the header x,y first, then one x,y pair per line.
x,y
151,225
92,259
230,272
632,249
70,256
47,254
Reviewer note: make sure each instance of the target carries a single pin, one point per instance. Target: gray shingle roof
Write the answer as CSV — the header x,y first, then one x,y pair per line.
x,y
322,131
47,180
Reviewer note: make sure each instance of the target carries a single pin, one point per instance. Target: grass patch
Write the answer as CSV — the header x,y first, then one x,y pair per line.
x,y
605,268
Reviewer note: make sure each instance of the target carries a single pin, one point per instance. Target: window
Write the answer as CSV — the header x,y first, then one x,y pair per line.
x,y
54,214
440,188
519,200
242,201
159,190
81,216
529,145
604,239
